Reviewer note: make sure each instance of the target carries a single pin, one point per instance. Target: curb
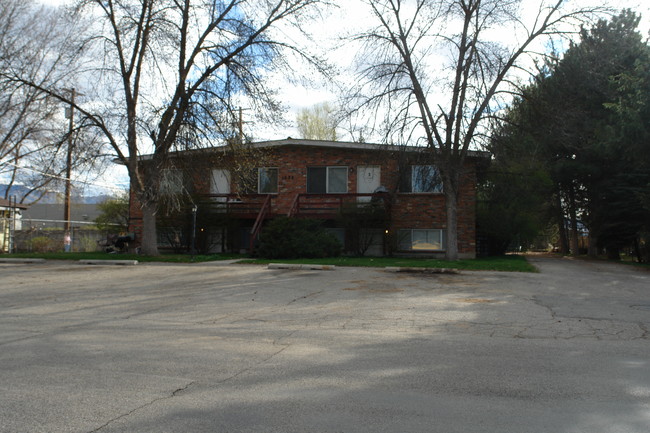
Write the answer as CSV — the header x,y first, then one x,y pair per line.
x,y
423,270
13,260
296,266
109,262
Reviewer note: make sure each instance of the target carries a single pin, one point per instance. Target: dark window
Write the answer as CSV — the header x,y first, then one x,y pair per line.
x,y
322,180
421,178
267,180
316,180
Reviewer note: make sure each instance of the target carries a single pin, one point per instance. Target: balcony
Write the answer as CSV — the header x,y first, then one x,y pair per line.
x,y
330,206
372,209
302,205
238,206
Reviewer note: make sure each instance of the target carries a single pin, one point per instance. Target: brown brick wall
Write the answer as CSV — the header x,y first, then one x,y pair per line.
x,y
427,211
424,211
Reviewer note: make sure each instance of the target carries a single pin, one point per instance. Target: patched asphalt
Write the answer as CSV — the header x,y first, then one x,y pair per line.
x,y
243,348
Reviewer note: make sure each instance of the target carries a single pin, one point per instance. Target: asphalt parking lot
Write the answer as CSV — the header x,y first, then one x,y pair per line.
x,y
239,348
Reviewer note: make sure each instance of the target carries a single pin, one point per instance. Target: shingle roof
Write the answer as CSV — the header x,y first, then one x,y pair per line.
x,y
327,144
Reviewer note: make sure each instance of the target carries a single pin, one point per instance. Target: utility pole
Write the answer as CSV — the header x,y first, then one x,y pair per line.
x,y
67,235
13,209
238,124
241,126
193,234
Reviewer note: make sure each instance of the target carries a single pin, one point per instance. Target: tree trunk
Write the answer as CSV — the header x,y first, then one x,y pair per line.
x,y
592,251
637,250
149,242
575,248
451,206
613,253
559,214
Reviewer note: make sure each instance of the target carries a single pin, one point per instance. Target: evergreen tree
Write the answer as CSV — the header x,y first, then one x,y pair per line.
x,y
585,120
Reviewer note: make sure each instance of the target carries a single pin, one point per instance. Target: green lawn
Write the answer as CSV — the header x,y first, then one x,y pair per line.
x,y
167,258
510,263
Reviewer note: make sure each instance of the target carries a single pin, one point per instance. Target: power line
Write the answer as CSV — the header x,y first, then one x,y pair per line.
x,y
85,182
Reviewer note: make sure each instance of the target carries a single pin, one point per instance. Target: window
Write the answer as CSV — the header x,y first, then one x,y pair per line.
x,y
421,179
267,180
171,182
330,180
422,239
220,181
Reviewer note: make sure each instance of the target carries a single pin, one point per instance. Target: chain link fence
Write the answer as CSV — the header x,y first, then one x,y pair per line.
x,y
37,240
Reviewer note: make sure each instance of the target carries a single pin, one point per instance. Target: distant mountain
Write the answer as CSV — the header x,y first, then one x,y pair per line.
x,y
51,197
94,199
20,190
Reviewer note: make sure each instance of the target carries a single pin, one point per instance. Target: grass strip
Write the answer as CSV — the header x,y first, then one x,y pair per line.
x,y
165,258
509,263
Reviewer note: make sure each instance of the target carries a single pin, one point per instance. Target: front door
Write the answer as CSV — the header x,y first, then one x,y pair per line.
x,y
368,180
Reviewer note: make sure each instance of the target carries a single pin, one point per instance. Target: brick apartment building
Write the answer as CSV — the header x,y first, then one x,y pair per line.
x,y
375,199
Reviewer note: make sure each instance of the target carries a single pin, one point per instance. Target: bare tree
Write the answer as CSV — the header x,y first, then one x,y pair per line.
x,y
435,71
171,72
35,45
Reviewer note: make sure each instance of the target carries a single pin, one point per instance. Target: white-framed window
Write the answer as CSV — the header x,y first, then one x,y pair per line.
x,y
421,179
422,239
327,180
220,181
267,180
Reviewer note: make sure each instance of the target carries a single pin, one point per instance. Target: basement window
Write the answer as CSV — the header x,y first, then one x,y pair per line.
x,y
422,240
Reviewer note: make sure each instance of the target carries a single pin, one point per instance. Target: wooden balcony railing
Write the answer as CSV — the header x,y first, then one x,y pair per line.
x,y
303,205
331,205
244,206
260,207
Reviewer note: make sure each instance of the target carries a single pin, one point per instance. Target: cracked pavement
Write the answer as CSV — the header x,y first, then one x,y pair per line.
x,y
233,348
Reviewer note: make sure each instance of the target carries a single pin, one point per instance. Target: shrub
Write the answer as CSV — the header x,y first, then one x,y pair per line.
x,y
43,244
88,244
114,214
364,223
290,238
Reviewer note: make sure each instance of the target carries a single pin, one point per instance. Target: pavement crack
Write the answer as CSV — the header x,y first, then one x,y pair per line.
x,y
173,394
28,337
539,303
282,337
180,390
257,364
306,296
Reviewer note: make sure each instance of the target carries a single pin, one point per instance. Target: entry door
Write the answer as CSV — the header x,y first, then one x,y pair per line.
x,y
368,180
220,183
